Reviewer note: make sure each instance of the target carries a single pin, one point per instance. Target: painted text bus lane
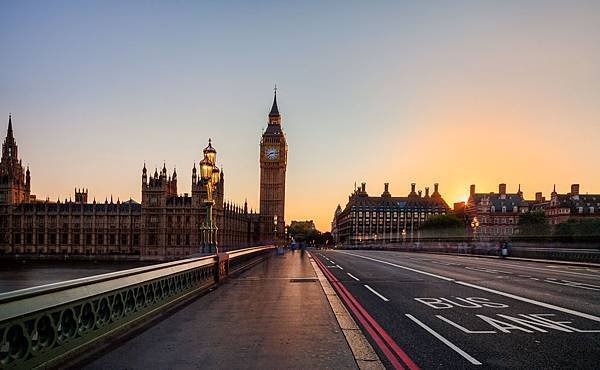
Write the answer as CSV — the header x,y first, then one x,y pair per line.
x,y
484,329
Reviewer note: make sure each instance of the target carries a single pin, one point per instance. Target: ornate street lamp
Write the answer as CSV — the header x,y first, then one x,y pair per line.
x,y
210,175
474,226
275,229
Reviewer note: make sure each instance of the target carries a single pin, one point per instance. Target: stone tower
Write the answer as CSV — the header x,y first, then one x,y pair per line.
x,y
273,163
15,181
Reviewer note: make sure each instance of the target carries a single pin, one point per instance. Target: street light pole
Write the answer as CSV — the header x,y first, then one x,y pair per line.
x,y
474,226
275,229
210,175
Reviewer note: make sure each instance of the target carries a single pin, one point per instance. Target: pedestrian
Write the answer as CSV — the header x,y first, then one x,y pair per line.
x,y
504,250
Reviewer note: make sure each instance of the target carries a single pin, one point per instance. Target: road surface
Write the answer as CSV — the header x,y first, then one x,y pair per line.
x,y
466,312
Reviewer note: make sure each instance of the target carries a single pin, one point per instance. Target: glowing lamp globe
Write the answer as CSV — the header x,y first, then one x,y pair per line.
x,y
206,169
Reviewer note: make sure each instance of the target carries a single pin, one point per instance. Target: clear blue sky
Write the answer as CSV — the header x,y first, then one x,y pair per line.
x,y
453,92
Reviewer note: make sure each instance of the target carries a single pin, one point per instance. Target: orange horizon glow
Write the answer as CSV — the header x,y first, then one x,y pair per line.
x,y
473,93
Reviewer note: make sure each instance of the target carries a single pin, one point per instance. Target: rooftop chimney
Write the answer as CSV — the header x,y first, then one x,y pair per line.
x,y
427,192
435,187
363,187
420,192
386,192
412,187
538,197
502,189
575,189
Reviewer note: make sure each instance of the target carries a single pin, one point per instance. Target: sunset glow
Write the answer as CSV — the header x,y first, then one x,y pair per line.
x,y
491,93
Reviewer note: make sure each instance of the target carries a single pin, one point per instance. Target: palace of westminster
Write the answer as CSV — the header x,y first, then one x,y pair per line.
x,y
165,225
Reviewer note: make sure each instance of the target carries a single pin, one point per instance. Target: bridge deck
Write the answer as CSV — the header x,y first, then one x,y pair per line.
x,y
268,317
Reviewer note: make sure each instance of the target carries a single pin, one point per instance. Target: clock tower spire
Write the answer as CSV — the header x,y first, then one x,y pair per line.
x,y
273,164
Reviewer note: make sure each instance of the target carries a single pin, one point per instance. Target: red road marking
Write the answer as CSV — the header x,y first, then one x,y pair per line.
x,y
379,335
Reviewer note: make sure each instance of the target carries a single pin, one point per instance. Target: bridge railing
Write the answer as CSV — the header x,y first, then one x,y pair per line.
x,y
46,325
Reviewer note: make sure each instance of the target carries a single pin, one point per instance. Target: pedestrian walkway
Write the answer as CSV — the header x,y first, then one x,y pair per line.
x,y
275,315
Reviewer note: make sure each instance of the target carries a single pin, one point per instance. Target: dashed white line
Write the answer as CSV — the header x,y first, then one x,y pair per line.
x,y
376,293
340,267
352,276
455,348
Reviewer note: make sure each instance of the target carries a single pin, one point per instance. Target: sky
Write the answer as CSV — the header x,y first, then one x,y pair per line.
x,y
454,92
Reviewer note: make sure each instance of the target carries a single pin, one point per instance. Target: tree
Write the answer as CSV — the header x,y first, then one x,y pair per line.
x,y
303,231
443,226
534,224
579,230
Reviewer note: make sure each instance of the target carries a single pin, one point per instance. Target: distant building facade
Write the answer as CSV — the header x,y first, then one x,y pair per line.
x,y
498,213
165,225
573,205
385,218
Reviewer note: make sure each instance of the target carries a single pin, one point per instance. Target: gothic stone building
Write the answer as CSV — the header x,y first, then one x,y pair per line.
x,y
165,225
385,218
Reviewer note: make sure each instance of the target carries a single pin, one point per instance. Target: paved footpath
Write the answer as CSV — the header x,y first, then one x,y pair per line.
x,y
273,316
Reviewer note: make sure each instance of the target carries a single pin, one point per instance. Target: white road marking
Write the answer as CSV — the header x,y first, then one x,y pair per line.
x,y
377,294
541,268
499,292
455,348
533,301
399,266
340,267
554,269
442,263
480,269
573,284
352,276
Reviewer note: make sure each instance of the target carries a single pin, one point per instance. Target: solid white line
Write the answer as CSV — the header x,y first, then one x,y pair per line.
x,y
573,284
526,267
402,267
513,296
464,354
377,294
352,276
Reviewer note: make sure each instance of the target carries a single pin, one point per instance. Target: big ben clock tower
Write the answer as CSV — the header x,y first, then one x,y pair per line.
x,y
273,163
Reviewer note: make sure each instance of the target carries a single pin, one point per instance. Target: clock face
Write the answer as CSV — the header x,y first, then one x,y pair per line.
x,y
271,153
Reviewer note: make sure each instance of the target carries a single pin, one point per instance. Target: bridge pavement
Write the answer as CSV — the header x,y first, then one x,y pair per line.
x,y
273,316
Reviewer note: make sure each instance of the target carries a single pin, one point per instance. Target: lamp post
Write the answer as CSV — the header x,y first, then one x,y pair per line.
x,y
210,175
474,226
275,229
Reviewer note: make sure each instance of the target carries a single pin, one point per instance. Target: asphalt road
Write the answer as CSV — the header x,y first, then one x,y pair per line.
x,y
465,312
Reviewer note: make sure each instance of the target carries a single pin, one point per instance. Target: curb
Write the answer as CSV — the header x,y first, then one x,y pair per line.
x,y
364,354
